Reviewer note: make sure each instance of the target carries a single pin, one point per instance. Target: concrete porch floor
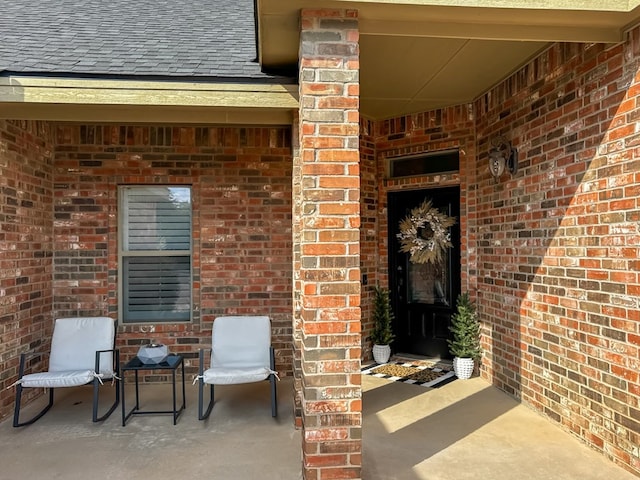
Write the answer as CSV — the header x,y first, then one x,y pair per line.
x,y
464,430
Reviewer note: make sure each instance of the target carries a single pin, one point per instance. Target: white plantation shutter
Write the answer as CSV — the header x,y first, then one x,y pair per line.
x,y
156,254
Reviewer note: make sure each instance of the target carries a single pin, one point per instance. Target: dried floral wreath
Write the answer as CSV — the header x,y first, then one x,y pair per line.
x,y
424,234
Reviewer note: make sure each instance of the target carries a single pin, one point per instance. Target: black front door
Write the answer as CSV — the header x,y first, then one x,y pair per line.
x,y
423,295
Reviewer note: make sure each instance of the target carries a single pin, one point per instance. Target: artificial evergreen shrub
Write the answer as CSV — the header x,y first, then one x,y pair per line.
x,y
465,328
382,333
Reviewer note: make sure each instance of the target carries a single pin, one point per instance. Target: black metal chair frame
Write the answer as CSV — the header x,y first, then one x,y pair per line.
x,y
96,389
203,415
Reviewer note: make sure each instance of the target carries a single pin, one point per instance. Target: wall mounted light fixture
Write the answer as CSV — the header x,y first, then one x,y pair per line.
x,y
502,156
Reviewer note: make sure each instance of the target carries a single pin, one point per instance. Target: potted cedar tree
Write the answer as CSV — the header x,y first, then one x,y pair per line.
x,y
465,344
382,334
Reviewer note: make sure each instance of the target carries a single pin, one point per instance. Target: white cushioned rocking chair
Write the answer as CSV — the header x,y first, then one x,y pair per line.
x,y
82,352
241,353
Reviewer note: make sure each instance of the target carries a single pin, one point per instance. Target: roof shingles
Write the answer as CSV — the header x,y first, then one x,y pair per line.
x,y
164,38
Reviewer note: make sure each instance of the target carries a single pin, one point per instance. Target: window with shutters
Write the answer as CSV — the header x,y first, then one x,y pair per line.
x,y
155,254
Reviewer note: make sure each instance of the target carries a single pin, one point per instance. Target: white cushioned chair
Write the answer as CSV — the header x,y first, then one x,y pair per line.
x,y
82,352
241,353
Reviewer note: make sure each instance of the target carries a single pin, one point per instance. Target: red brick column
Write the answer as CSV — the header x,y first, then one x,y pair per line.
x,y
327,280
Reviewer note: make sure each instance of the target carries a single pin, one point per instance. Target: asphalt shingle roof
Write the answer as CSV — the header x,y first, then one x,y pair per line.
x,y
166,38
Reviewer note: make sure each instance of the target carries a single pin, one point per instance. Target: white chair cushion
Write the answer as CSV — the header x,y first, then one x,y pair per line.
x,y
230,376
76,340
241,342
69,378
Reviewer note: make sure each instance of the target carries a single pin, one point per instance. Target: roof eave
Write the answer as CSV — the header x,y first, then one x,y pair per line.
x,y
196,101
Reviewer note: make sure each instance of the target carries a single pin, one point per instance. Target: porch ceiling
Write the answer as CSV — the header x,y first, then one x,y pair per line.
x,y
417,55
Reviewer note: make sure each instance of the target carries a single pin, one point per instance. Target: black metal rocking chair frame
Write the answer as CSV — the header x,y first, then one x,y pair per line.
x,y
96,389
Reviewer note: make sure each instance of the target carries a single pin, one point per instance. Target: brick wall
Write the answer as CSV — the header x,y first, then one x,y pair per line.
x,y
373,273
241,200
558,243
297,280
26,227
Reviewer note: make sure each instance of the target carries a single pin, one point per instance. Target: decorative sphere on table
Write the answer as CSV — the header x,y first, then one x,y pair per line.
x,y
152,353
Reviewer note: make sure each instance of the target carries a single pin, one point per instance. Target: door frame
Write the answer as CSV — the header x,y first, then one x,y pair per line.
x,y
394,199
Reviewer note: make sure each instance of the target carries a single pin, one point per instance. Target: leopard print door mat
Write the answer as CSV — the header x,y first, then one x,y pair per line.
x,y
432,376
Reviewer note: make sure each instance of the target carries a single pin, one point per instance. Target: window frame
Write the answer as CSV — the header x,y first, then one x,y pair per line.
x,y
122,226
427,163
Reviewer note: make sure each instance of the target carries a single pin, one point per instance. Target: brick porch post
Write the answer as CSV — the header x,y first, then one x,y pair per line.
x,y
326,240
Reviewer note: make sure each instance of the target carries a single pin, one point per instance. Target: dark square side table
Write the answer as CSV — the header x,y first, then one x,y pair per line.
x,y
171,362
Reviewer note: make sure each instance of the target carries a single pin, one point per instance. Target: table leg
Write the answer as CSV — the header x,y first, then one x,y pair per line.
x,y
184,396
137,394
175,412
124,409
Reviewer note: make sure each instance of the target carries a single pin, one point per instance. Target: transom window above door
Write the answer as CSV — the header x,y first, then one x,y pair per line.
x,y
155,254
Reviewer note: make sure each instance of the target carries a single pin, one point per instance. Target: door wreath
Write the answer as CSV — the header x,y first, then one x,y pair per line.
x,y
424,233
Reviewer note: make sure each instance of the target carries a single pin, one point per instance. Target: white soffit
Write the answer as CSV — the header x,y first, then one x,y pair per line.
x,y
416,55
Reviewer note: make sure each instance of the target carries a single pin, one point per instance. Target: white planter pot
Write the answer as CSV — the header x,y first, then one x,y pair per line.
x,y
463,367
381,353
